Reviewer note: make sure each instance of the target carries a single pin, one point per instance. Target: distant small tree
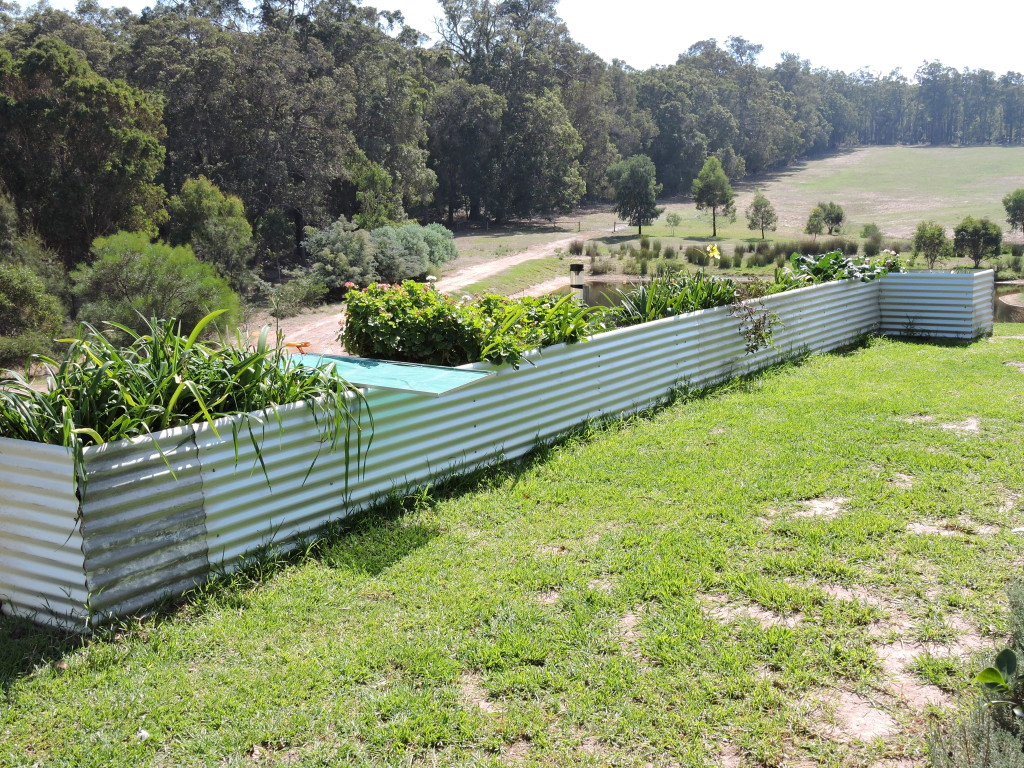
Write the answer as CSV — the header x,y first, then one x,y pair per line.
x,y
1014,205
977,239
711,189
931,242
673,220
133,278
832,216
761,214
636,190
815,222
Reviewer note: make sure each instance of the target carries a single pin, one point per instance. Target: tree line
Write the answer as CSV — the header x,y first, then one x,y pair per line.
x,y
243,132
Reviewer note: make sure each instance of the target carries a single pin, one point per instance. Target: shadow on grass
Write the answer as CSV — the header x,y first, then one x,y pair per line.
x,y
25,646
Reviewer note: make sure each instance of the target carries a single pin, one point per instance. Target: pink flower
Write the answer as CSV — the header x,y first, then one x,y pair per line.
x,y
350,284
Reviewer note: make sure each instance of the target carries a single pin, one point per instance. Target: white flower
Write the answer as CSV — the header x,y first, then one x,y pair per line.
x,y
431,279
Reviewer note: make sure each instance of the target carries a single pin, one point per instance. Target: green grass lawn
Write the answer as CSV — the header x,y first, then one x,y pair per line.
x,y
791,570
520,277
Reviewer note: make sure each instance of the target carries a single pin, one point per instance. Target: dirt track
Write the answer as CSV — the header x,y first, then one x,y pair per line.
x,y
320,327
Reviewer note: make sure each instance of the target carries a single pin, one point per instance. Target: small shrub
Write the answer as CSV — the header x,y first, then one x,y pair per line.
x,y
630,266
752,247
738,250
602,266
440,243
870,232
669,252
133,279
29,316
780,260
724,262
1017,251
576,248
698,256
341,253
592,250
668,267
645,243
656,248
301,290
643,266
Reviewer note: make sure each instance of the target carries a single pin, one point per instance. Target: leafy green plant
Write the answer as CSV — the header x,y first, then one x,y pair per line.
x,y
1001,680
414,323
836,266
99,392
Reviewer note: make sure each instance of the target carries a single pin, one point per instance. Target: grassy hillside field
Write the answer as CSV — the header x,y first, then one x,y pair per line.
x,y
893,187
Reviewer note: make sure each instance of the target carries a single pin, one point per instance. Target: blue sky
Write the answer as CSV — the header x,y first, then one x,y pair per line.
x,y
876,35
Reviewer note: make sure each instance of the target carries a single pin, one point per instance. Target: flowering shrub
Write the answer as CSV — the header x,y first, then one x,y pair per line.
x,y
414,323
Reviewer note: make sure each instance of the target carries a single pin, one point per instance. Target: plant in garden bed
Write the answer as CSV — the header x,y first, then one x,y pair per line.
x,y
835,266
98,392
674,295
417,324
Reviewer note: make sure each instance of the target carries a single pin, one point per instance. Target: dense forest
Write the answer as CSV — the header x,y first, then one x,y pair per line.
x,y
244,134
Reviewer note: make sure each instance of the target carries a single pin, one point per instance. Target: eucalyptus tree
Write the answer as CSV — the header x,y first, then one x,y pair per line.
x,y
79,153
636,190
711,189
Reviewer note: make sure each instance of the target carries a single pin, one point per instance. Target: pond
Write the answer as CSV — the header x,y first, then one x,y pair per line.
x,y
1010,310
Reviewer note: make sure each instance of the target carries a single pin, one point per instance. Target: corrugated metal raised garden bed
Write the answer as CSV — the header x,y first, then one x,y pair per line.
x,y
155,515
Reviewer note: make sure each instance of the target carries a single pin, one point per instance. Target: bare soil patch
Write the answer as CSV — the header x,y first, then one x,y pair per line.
x,y
729,756
827,508
516,752
721,608
472,690
1015,364
901,480
601,585
918,418
932,529
971,424
548,598
858,719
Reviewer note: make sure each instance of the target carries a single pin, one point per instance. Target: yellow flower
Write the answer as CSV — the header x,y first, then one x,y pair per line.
x,y
713,252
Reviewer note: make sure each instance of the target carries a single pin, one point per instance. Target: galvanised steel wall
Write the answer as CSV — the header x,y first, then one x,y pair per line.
x,y
42,568
154,522
416,438
937,304
143,523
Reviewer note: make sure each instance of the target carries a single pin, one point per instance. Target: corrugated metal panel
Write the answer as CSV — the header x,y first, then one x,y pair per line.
x,y
417,438
937,304
42,568
143,521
